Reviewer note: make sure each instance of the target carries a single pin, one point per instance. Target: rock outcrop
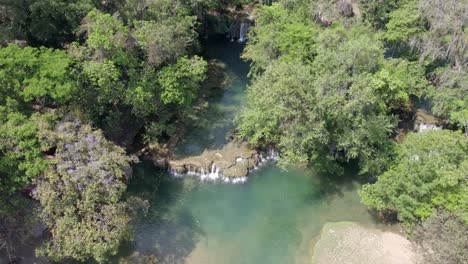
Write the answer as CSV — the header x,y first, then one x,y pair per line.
x,y
233,162
232,22
351,243
424,121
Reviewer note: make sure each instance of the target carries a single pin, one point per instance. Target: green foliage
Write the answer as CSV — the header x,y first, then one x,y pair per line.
x,y
349,52
21,159
280,34
429,173
180,82
377,11
140,70
28,75
44,22
450,96
164,42
404,22
398,79
104,77
36,74
81,195
327,111
142,93
153,10
286,106
103,30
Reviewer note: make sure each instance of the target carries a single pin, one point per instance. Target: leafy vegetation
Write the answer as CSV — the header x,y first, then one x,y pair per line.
x,y
81,194
429,174
115,62
331,83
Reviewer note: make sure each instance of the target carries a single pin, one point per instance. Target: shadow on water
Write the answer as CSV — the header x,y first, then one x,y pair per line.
x,y
329,185
169,232
269,219
225,93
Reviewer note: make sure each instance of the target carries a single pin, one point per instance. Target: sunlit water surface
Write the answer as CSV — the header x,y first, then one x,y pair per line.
x,y
274,218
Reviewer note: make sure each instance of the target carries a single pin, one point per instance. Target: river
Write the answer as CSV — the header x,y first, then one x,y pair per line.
x,y
274,218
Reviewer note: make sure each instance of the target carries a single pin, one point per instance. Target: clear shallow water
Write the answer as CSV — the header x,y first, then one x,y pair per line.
x,y
273,218
212,128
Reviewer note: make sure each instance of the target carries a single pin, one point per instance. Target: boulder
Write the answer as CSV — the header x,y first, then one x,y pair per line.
x,y
351,243
235,159
423,120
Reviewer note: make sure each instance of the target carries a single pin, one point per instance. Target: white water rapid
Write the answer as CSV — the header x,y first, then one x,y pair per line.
x,y
243,32
215,174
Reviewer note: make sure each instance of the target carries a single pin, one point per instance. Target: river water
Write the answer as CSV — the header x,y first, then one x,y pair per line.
x,y
274,218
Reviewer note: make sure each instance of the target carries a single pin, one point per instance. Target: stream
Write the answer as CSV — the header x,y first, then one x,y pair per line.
x,y
274,218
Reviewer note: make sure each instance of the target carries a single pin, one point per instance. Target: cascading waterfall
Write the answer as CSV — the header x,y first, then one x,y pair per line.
x,y
422,127
243,32
215,174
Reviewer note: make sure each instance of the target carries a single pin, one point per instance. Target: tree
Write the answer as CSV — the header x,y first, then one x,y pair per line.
x,y
81,194
22,75
405,23
104,32
180,82
332,110
44,22
446,36
21,159
428,173
279,34
442,238
398,79
450,96
37,75
377,11
164,42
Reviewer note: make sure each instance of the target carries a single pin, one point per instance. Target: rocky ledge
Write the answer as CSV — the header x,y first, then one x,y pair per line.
x,y
232,163
349,242
424,120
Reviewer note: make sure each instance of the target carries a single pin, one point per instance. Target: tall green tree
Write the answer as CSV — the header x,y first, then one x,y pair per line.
x,y
44,22
377,12
280,34
37,75
428,173
21,159
333,110
28,76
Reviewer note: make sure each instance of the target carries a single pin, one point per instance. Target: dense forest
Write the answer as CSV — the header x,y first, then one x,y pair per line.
x,y
86,84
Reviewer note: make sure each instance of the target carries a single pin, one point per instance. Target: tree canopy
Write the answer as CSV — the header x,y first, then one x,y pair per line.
x,y
332,82
82,194
429,173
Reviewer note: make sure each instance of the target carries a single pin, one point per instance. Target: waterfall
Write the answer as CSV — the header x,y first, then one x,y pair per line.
x,y
271,155
212,174
422,126
243,31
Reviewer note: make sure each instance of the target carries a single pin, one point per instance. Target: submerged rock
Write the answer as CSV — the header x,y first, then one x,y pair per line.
x,y
351,243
